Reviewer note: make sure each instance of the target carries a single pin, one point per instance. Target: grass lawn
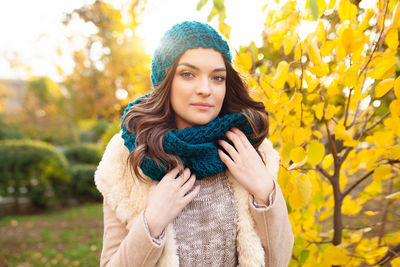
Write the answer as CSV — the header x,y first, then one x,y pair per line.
x,y
71,237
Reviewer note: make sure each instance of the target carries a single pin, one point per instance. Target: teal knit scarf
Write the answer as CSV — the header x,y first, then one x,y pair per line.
x,y
197,146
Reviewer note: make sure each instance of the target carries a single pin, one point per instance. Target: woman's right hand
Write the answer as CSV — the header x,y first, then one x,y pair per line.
x,y
167,199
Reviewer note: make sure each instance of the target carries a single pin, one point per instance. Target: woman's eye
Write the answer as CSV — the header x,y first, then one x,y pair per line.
x,y
219,78
187,74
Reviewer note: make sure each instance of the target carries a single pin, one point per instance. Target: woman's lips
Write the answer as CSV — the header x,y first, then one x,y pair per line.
x,y
202,106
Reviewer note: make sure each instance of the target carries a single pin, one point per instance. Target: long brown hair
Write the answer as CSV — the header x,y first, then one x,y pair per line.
x,y
151,119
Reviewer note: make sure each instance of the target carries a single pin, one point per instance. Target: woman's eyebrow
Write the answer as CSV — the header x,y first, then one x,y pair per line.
x,y
196,68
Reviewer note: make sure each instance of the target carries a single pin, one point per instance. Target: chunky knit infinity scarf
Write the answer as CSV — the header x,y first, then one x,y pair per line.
x,y
197,146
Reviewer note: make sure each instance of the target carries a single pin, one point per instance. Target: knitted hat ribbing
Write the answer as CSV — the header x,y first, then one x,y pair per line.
x,y
183,36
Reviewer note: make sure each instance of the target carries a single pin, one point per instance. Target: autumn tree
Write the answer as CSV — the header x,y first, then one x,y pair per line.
x,y
333,96
112,62
44,114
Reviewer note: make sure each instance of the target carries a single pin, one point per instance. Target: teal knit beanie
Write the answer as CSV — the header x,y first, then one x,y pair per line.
x,y
183,36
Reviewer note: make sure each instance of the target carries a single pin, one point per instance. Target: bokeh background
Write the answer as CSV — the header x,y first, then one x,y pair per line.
x,y
326,70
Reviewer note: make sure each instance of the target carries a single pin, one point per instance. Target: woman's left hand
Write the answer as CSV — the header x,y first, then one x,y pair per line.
x,y
246,165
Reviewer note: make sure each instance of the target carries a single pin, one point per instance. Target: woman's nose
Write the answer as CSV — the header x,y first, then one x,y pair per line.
x,y
204,87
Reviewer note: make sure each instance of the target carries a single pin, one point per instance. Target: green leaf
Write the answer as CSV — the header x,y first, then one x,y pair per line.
x,y
304,256
212,14
201,4
219,5
314,9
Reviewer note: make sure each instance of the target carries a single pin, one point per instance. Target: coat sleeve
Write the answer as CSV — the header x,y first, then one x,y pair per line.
x,y
274,229
125,248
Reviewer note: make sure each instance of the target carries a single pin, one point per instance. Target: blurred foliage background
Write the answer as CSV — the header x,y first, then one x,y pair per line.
x,y
328,73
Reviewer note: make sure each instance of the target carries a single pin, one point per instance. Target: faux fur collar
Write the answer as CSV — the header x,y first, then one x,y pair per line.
x,y
127,196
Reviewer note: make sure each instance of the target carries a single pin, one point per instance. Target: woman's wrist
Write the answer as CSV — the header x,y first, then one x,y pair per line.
x,y
155,227
262,195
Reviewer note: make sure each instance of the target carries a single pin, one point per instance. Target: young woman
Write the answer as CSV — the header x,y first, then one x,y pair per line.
x,y
191,178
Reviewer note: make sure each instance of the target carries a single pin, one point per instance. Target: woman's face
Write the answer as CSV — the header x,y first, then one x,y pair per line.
x,y
198,87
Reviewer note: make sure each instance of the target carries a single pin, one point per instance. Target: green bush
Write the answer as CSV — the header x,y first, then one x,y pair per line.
x,y
82,182
33,169
111,131
9,130
100,128
84,153
91,130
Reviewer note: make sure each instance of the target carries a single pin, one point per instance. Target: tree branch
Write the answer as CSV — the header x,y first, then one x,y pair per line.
x,y
390,255
323,172
354,117
376,123
332,144
346,113
356,184
385,211
346,153
377,42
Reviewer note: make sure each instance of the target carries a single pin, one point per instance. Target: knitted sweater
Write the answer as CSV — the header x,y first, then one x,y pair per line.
x,y
264,236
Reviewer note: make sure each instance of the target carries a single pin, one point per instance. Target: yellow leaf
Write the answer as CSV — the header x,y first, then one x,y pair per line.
x,y
225,29
396,16
317,134
392,39
287,148
295,101
366,19
354,164
314,54
347,38
385,68
304,187
321,7
397,87
284,178
321,70
395,262
383,87
334,255
382,139
333,88
327,48
347,10
312,85
320,32
382,172
370,213
340,51
302,135
375,254
395,151
395,108
281,75
331,4
313,97
291,79
319,110
316,152
350,77
244,61
297,52
331,110
345,135
297,154
276,34
373,188
350,207
287,134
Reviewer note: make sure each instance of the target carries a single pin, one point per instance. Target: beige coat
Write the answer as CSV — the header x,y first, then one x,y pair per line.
x,y
264,238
